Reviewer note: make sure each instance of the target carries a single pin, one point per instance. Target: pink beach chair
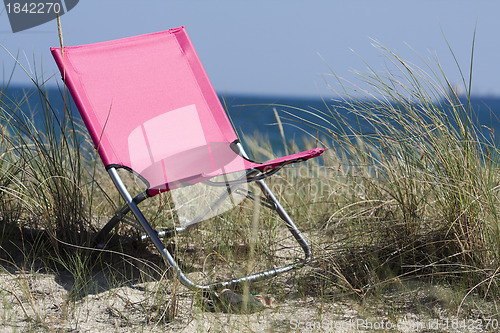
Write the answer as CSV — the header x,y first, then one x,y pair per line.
x,y
151,109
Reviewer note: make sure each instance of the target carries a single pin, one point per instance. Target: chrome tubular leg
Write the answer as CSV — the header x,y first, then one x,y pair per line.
x,y
151,232
286,218
117,218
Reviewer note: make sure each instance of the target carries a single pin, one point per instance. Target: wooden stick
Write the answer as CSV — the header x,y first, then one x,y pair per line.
x,y
59,30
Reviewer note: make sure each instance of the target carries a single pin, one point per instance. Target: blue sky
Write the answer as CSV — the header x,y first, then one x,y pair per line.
x,y
282,47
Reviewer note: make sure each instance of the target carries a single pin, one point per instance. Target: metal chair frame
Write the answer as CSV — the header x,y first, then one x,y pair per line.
x,y
270,201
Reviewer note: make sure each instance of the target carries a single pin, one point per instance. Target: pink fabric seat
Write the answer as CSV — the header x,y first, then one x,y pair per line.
x,y
233,167
150,107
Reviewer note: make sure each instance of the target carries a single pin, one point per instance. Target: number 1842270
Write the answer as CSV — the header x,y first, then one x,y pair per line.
x,y
33,8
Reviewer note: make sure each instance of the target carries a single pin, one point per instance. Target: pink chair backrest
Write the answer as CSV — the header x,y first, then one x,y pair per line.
x,y
146,102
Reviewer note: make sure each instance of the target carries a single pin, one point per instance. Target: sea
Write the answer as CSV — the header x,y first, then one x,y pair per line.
x,y
271,117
